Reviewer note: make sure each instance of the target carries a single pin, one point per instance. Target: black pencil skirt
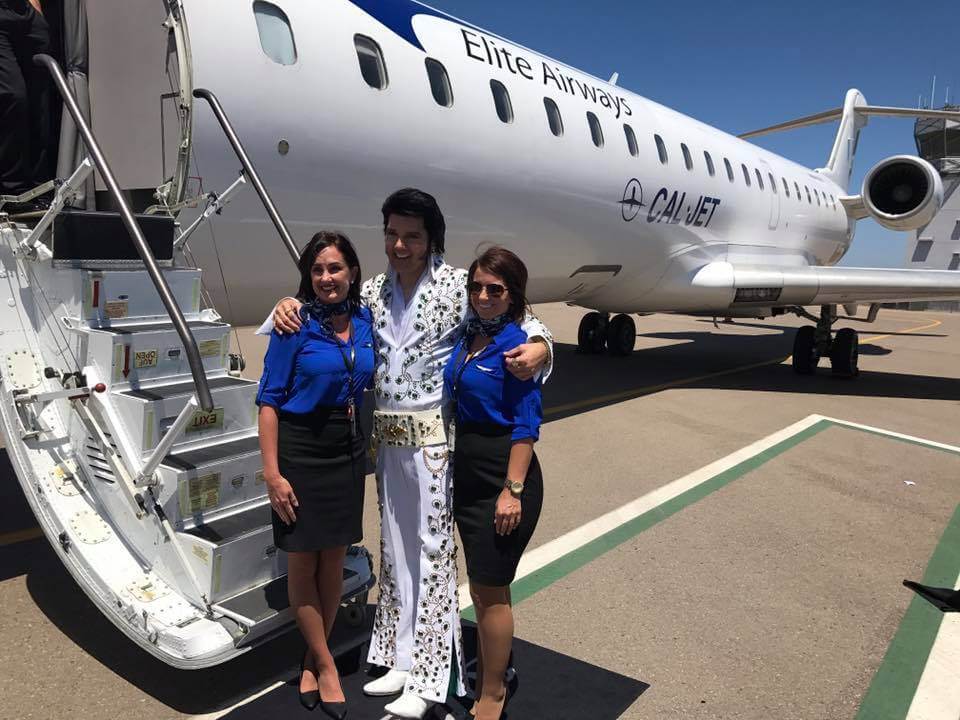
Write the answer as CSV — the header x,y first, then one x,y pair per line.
x,y
480,463
326,468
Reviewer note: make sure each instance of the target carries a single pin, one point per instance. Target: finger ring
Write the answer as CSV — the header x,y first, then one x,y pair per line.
x,y
516,363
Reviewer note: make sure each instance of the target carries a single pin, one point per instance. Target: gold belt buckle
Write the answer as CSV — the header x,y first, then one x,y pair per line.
x,y
395,432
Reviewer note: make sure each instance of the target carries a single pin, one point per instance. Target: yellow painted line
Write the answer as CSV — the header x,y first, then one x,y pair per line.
x,y
650,389
20,536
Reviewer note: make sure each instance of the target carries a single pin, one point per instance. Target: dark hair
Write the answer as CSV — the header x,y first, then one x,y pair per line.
x,y
411,202
318,243
506,265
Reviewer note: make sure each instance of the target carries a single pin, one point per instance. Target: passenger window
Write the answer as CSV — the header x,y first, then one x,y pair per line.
x,y
759,178
631,140
687,160
773,183
439,83
553,116
816,194
797,188
372,66
808,194
276,35
786,187
709,161
661,149
596,132
501,98
746,174
729,167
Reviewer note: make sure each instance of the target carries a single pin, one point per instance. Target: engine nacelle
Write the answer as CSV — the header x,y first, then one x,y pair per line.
x,y
902,192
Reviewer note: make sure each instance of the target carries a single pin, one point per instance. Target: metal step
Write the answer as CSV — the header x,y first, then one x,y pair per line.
x,y
109,296
266,608
147,412
221,452
132,354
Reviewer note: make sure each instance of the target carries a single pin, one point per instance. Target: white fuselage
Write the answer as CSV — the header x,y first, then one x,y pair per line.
x,y
559,202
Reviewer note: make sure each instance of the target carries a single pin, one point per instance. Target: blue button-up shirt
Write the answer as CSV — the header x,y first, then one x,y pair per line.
x,y
484,391
306,370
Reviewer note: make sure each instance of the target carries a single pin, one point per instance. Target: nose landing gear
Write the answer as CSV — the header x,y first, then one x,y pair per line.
x,y
812,343
597,332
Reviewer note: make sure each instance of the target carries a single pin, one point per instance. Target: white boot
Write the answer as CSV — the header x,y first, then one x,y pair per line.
x,y
409,706
390,684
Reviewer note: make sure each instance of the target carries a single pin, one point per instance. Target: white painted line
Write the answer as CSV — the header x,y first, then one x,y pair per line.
x,y
250,699
938,692
900,436
565,544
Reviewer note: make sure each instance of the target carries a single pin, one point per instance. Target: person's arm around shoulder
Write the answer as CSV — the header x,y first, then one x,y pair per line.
x,y
534,356
278,369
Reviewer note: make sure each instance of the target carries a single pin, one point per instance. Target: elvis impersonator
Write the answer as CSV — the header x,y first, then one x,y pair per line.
x,y
420,310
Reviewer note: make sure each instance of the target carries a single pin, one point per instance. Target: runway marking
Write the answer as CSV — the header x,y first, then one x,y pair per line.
x,y
549,562
12,538
919,677
922,659
650,389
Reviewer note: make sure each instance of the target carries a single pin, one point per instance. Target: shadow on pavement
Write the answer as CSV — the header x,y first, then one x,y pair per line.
x,y
552,686
742,362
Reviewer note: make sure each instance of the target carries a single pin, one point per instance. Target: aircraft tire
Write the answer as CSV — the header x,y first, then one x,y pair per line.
x,y
805,356
845,353
592,334
621,335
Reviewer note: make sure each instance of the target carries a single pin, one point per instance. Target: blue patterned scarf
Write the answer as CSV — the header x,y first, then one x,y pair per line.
x,y
487,328
323,312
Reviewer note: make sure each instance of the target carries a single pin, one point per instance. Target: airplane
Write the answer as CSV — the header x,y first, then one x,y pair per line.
x,y
125,418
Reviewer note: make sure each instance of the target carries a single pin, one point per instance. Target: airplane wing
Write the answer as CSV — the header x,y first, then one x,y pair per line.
x,y
811,285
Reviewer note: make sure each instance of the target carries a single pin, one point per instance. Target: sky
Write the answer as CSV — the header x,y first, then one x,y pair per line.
x,y
740,66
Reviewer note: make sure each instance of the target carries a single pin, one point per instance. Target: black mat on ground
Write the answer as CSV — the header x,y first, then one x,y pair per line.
x,y
552,687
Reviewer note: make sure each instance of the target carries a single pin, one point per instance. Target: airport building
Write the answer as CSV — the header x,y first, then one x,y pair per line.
x,y
937,245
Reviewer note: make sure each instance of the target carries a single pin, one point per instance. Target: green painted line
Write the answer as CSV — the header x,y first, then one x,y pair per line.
x,y
908,441
587,553
893,687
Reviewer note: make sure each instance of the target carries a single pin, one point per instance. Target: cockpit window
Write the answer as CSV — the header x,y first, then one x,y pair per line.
x,y
276,35
372,66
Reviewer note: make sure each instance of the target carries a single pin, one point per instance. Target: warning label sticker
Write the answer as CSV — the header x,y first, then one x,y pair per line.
x,y
116,308
199,494
210,348
145,358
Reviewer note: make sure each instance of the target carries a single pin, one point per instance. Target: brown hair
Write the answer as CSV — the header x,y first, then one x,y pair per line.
x,y
508,267
318,243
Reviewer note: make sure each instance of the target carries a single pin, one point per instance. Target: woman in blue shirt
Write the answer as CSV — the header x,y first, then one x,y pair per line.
x,y
497,483
313,452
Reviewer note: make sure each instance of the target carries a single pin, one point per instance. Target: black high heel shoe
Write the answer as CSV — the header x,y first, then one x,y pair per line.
x,y
335,710
311,698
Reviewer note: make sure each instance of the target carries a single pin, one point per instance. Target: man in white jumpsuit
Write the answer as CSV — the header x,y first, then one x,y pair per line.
x,y
419,311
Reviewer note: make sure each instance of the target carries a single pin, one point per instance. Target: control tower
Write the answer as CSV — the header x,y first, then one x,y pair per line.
x,y
937,245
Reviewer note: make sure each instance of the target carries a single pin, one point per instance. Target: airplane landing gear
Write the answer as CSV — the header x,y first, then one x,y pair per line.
x,y
812,343
621,335
597,331
592,334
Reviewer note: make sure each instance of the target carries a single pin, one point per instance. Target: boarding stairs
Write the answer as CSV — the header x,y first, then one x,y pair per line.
x,y
134,435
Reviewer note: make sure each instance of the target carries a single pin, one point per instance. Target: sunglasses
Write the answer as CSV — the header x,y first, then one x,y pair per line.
x,y
494,290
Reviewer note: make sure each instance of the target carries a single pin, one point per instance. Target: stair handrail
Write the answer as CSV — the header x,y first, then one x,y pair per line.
x,y
249,169
149,261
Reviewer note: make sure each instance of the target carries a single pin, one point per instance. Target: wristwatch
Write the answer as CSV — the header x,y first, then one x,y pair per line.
x,y
515,487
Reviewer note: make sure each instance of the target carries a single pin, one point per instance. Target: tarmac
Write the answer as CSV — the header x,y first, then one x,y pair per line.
x,y
720,538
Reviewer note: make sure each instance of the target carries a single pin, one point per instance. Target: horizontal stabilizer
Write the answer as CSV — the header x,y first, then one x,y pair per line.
x,y
865,110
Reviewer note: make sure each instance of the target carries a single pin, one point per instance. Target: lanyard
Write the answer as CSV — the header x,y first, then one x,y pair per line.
x,y
349,364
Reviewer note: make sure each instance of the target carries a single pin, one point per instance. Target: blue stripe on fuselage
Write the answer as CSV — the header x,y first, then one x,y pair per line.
x,y
398,16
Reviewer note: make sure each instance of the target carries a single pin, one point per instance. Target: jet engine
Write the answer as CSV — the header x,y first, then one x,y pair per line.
x,y
902,192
